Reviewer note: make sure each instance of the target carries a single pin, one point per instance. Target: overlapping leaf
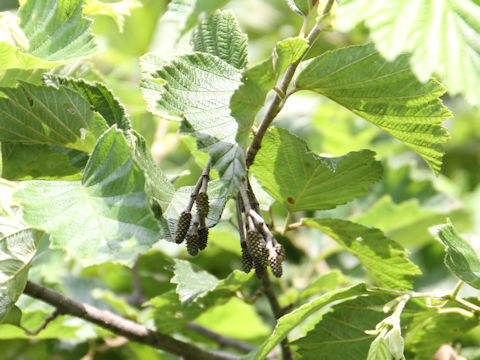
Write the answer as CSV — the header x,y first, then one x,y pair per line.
x,y
259,80
117,10
460,258
302,180
103,218
197,88
221,36
385,93
441,35
386,261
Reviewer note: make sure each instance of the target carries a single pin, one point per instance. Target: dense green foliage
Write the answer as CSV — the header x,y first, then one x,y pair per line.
x,y
305,142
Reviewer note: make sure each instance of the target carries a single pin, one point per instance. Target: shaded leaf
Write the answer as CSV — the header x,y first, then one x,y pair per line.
x,y
103,218
220,35
257,81
460,258
442,36
386,94
386,261
302,180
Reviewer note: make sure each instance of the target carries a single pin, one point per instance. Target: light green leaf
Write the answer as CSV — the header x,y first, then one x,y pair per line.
x,y
288,322
302,7
386,261
103,218
56,30
379,350
46,115
386,94
302,180
442,36
117,10
220,35
460,258
340,334
185,13
259,80
197,88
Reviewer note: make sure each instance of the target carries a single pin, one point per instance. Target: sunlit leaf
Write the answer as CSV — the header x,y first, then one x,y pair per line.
x,y
117,10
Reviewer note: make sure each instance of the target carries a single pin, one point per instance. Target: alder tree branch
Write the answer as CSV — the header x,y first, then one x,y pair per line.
x,y
47,321
201,182
121,326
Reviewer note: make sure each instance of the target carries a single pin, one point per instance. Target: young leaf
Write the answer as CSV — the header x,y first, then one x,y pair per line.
x,y
117,10
460,258
302,7
288,322
379,350
221,36
442,36
56,30
386,261
46,115
386,94
302,180
198,87
340,334
257,81
103,218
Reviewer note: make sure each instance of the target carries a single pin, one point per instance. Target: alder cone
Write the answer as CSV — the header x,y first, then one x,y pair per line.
x,y
247,261
203,206
256,247
192,244
275,263
202,237
183,226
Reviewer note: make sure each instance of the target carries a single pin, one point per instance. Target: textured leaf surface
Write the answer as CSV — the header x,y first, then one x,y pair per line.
x,y
441,35
171,313
386,261
103,218
379,350
302,180
288,322
197,88
56,29
116,10
221,36
46,115
460,258
259,80
385,93
340,334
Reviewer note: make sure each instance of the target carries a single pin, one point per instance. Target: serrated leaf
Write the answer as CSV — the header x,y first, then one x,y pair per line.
x,y
197,88
460,258
257,81
56,30
45,115
288,322
220,35
185,13
103,218
442,36
302,180
117,10
340,334
171,314
386,261
385,93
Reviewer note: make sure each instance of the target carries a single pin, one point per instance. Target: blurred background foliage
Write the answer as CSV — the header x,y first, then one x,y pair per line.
x,y
405,204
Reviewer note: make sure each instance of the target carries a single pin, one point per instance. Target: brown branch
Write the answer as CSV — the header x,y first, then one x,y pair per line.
x,y
121,326
47,321
220,339
204,177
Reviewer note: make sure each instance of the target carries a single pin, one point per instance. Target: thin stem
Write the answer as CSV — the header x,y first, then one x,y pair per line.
x,y
287,223
220,339
203,178
457,288
47,321
121,326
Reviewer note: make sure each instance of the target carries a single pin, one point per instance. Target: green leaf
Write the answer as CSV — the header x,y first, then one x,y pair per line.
x,y
379,350
302,180
340,334
257,81
171,314
46,115
386,261
103,218
117,10
385,93
220,35
302,7
197,88
185,13
288,322
441,35
56,30
460,258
